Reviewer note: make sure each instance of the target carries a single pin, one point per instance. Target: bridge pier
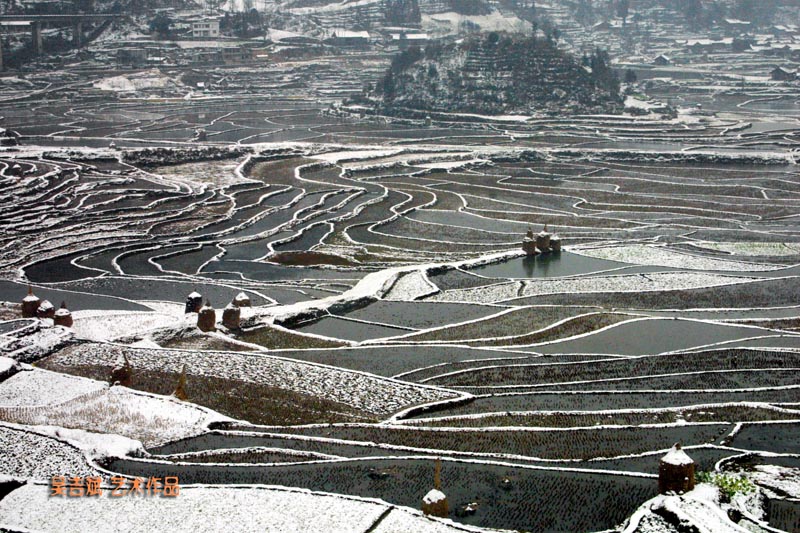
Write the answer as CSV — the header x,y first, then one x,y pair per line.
x,y
77,34
36,33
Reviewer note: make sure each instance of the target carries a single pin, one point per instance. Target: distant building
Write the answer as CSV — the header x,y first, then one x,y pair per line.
x,y
349,38
781,74
662,61
405,40
205,28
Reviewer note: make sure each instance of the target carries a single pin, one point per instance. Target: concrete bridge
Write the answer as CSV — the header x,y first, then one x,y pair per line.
x,y
37,22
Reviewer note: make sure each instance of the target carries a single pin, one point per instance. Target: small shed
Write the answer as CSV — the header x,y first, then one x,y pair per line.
x,y
435,501
676,472
63,317
662,61
46,310
207,318
529,243
231,316
193,302
30,304
543,240
242,300
781,74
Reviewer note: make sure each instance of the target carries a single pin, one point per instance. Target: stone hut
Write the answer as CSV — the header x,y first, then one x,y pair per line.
x,y
555,243
543,240
675,472
63,317
30,304
529,243
231,316
193,303
180,390
46,310
435,502
242,300
207,318
122,373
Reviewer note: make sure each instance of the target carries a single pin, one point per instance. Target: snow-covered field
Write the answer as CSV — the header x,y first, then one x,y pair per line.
x,y
664,281
208,508
660,256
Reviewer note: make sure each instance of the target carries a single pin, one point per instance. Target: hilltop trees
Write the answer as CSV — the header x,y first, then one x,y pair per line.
x,y
499,73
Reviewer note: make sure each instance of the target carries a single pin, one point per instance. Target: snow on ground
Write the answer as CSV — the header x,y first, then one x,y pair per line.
x,y
214,508
197,508
28,455
451,21
366,392
697,510
779,478
7,366
751,248
148,418
105,326
401,521
626,283
96,445
411,286
640,254
38,387
151,79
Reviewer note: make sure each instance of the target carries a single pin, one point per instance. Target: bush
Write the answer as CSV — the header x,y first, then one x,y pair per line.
x,y
729,485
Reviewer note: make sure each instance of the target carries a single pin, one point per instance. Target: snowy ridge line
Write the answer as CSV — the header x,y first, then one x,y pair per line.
x,y
511,337
181,279
448,363
246,449
370,288
478,455
633,378
500,429
445,455
693,407
734,280
642,391
775,333
779,334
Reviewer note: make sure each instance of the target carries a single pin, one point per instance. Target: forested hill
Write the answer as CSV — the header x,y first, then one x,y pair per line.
x,y
499,73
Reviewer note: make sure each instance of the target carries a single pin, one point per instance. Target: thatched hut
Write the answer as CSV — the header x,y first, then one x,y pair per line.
x,y
543,240
207,318
676,472
435,502
529,243
555,243
46,310
242,300
63,317
194,302
30,304
231,316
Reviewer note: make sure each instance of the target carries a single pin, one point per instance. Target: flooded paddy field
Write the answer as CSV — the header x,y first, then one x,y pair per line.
x,y
373,307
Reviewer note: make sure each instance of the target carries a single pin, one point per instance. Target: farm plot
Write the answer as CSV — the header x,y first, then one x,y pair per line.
x,y
542,372
361,391
498,489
